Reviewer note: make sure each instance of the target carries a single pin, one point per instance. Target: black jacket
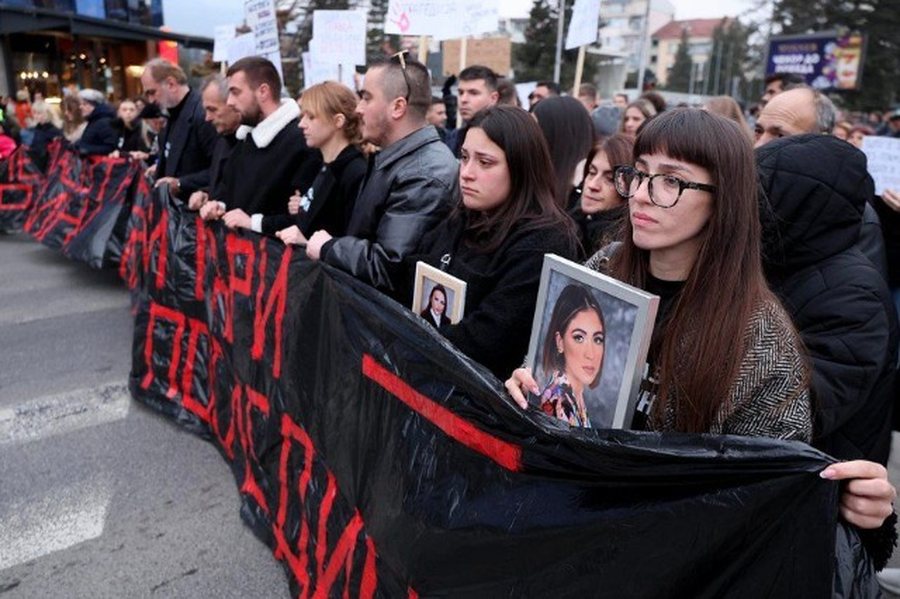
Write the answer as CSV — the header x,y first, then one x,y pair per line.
x,y
129,140
331,197
599,229
890,226
501,287
817,188
409,187
221,154
42,135
99,137
186,146
268,163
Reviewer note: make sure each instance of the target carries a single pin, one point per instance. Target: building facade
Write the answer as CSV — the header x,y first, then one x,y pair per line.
x,y
667,39
625,36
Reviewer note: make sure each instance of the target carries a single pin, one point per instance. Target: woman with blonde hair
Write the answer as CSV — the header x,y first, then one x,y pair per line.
x,y
729,108
329,123
47,127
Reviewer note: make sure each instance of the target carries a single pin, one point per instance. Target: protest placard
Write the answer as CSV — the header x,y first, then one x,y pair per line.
x,y
241,46
441,19
260,16
224,34
883,154
493,52
340,36
584,26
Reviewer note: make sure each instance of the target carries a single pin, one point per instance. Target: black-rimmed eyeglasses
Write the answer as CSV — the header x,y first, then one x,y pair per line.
x,y
401,60
665,194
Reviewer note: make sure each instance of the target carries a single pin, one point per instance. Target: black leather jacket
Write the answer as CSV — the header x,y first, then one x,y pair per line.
x,y
409,187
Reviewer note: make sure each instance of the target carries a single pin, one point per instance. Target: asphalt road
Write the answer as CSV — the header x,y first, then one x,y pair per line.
x,y
100,496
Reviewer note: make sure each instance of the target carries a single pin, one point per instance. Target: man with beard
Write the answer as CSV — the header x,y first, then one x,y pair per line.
x,y
226,120
410,184
186,143
270,159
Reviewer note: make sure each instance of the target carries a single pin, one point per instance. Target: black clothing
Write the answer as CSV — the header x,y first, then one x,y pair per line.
x,y
221,154
99,137
186,145
890,227
129,139
599,229
331,198
268,164
42,135
501,287
429,317
817,188
409,187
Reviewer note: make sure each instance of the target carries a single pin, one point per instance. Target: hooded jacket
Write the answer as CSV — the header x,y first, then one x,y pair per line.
x,y
817,187
99,137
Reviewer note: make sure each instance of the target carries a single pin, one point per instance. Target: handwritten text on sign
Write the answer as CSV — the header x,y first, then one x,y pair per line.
x,y
883,154
340,36
441,19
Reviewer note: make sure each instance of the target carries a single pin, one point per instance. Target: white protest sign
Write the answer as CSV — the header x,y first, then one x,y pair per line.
x,y
585,24
260,16
442,19
523,90
241,46
317,71
883,154
340,36
224,34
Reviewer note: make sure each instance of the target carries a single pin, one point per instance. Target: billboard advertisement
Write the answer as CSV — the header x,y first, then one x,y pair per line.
x,y
828,61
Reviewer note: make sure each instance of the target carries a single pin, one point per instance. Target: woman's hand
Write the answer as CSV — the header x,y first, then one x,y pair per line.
x,y
868,498
294,203
520,383
291,235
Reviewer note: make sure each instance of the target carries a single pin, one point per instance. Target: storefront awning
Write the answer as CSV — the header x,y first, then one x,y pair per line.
x,y
27,20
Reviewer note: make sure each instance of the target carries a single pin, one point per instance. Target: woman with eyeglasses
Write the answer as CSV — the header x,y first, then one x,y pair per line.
x,y
724,357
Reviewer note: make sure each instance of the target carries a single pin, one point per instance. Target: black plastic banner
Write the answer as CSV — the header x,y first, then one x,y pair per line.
x,y
376,460
20,182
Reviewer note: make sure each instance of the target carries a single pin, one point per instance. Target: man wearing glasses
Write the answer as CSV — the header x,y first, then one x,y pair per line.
x,y
410,184
187,141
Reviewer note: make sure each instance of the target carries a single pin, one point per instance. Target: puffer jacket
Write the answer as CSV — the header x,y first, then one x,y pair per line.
x,y
409,187
99,137
817,187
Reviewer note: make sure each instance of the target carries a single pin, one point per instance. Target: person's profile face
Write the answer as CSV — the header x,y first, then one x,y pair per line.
x,y
438,302
374,108
772,89
437,114
599,190
582,345
856,138
484,177
242,98
318,129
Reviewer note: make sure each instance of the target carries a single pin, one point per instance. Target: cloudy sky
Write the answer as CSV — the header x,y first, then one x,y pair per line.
x,y
199,17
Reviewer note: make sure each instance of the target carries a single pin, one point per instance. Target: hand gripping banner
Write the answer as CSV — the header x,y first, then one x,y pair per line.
x,y
376,460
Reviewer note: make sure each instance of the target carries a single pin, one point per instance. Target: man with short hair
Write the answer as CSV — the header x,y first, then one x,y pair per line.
x,y
226,120
410,185
477,89
270,159
542,91
621,101
437,113
796,111
778,83
187,141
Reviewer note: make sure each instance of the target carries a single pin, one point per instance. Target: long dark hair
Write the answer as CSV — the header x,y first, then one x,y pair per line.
x,y
700,351
531,202
572,300
618,149
569,132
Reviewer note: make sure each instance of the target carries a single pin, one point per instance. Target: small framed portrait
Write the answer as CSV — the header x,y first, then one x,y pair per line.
x,y
589,344
439,298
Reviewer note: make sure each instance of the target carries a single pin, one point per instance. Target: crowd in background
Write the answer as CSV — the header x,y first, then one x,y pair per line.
x,y
777,266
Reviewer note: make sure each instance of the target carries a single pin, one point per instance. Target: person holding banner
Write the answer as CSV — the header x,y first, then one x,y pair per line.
x,y
187,141
270,159
504,221
411,181
99,137
330,124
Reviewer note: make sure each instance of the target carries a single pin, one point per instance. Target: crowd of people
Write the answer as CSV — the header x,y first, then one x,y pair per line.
x,y
776,264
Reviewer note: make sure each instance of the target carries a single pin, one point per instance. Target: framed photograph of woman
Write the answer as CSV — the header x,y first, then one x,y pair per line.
x,y
589,344
439,298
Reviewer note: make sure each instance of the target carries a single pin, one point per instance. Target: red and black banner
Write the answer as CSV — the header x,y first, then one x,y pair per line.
x,y
376,460
20,182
